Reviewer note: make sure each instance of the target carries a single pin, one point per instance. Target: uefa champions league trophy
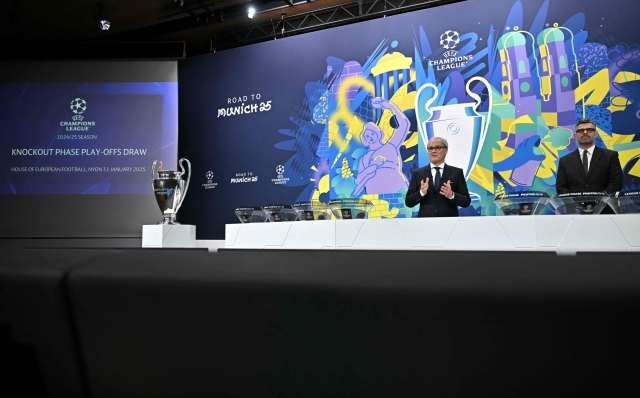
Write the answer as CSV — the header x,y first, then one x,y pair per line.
x,y
170,189
460,124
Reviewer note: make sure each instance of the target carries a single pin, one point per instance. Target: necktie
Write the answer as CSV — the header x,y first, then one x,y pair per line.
x,y
436,181
585,162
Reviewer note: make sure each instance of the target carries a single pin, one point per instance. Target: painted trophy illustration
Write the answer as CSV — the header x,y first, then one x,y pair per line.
x,y
460,124
170,189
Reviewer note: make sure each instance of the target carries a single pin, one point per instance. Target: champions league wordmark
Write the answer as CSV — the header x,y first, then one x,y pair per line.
x,y
77,126
242,107
451,63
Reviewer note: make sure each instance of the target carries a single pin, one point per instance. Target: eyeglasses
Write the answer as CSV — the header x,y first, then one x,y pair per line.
x,y
584,131
435,148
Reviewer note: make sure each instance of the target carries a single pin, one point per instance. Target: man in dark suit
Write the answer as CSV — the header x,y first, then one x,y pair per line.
x,y
438,187
589,168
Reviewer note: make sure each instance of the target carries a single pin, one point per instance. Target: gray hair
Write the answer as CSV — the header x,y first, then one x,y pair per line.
x,y
586,121
444,141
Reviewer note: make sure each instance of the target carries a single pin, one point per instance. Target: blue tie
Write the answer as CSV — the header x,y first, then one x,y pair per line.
x,y
437,181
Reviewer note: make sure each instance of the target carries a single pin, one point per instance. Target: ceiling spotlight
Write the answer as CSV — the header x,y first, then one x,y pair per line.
x,y
252,12
104,24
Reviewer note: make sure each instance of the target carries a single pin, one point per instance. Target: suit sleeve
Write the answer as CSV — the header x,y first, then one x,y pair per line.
x,y
615,175
561,178
413,196
461,197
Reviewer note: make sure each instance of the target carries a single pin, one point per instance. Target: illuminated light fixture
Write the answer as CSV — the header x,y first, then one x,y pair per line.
x,y
104,24
252,12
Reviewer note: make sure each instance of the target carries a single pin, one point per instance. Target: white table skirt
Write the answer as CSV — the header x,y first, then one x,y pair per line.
x,y
563,234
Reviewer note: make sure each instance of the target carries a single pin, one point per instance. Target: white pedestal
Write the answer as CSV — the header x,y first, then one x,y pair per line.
x,y
168,236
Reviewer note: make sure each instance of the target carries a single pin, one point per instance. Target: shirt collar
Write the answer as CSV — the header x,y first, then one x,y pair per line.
x,y
433,166
590,150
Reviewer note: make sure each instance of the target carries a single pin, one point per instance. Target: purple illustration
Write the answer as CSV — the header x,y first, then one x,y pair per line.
x,y
380,169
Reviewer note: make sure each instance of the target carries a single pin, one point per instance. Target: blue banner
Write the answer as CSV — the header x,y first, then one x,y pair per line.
x,y
322,116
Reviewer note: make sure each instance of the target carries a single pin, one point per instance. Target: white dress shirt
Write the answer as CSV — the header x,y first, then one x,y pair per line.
x,y
589,155
433,177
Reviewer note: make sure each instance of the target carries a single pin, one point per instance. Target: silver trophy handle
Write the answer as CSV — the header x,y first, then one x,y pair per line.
x,y
487,119
186,188
153,170
427,106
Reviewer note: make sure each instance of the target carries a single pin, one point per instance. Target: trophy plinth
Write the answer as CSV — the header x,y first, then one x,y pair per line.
x,y
521,203
312,211
348,209
625,202
579,202
169,189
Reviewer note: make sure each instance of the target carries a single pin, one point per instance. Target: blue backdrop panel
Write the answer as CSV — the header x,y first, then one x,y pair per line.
x,y
503,80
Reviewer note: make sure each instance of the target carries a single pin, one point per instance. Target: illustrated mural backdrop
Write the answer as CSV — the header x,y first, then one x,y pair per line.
x,y
504,81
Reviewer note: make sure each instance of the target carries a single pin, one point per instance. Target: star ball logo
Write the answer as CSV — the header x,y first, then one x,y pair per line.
x,y
209,184
280,180
78,107
449,39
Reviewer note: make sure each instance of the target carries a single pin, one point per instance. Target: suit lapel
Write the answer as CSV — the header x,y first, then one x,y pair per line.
x,y
578,163
595,158
430,177
445,173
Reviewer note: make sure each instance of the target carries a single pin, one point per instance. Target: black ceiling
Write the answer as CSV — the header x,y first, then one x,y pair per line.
x,y
32,29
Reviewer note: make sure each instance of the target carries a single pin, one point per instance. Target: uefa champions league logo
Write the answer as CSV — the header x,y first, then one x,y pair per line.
x,y
450,59
280,180
78,106
209,184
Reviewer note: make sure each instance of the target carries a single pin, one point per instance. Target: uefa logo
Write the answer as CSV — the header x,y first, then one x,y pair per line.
x,y
78,106
280,179
209,184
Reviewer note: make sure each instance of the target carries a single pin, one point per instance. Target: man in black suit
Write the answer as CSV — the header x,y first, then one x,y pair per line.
x,y
439,188
589,168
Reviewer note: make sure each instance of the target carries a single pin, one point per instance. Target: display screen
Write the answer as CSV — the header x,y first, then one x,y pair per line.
x,y
85,138
77,142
